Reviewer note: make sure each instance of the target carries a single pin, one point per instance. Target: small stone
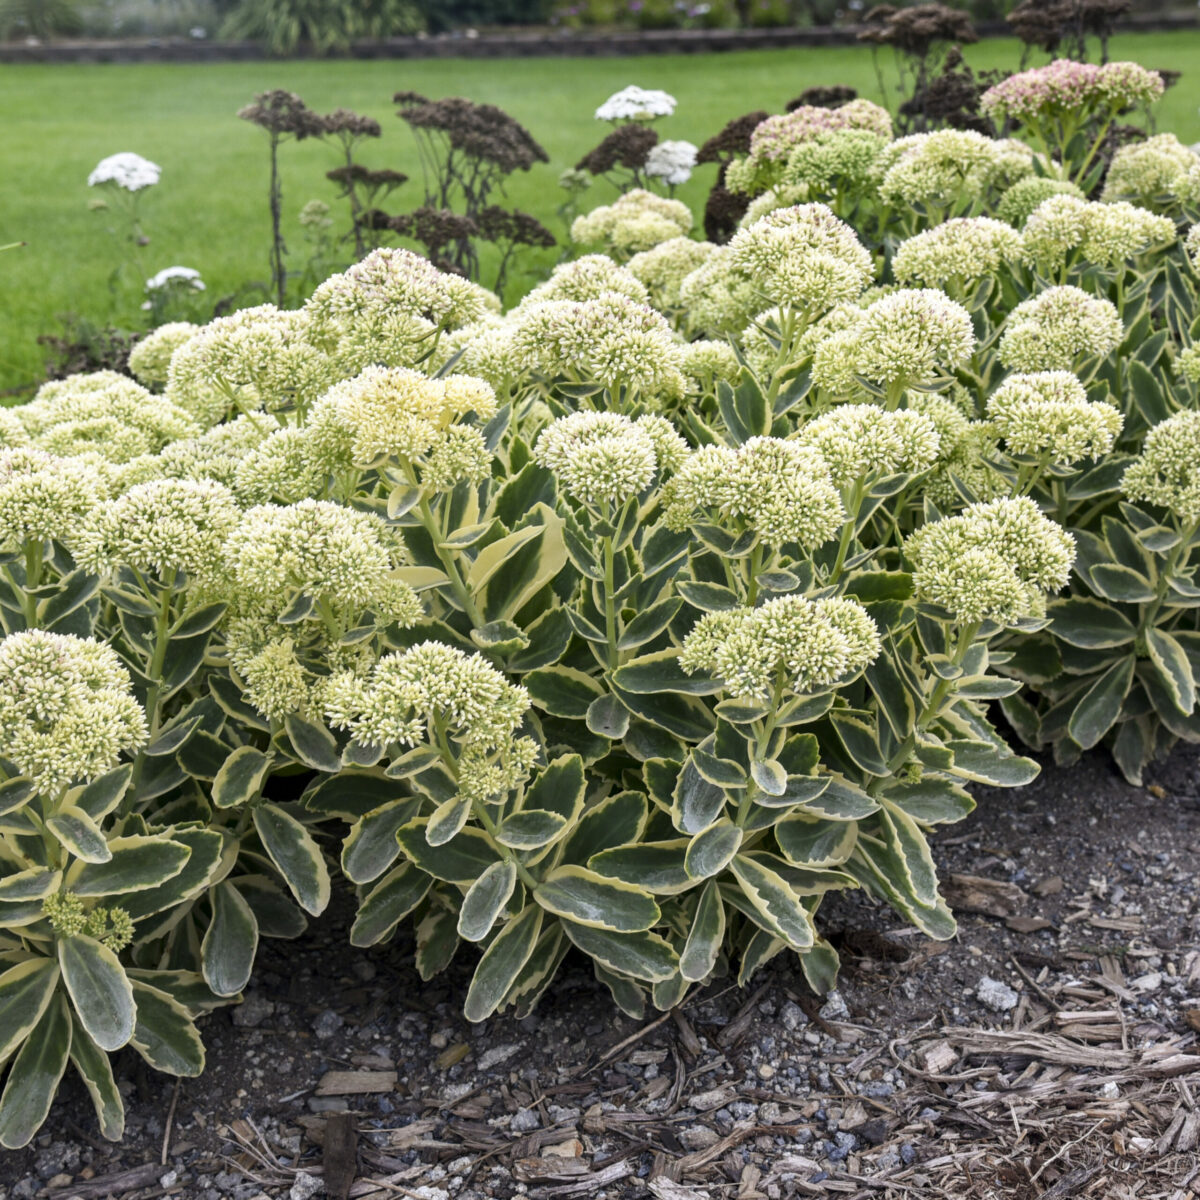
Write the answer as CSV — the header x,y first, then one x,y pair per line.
x,y
496,1055
793,1016
873,1132
168,1179
524,1120
698,1137
252,1011
997,996
327,1024
364,971
834,1008
304,1186
1110,1091
907,1154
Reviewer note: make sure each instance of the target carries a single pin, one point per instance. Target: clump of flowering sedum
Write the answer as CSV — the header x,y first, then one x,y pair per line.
x,y
68,917
1167,472
606,459
719,297
1192,245
663,269
43,496
787,644
957,253
1155,173
1065,229
994,561
857,440
1069,89
780,489
909,338
705,362
1057,329
1047,414
589,278
166,527
435,694
1019,201
804,257
66,707
635,222
150,359
390,309
834,162
948,170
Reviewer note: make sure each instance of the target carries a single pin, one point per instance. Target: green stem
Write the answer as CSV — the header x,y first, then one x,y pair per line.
x,y
33,577
457,586
756,556
1183,549
610,604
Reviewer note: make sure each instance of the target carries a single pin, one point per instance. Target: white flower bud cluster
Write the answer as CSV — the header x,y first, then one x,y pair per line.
x,y
1192,245
671,161
705,362
962,250
1188,363
948,167
105,415
217,453
612,340
1019,201
1057,329
1047,413
338,556
635,103
606,458
1104,234
804,257
126,170
66,708
836,160
964,448
1167,472
718,297
780,489
389,309
995,560
787,644
637,221
150,359
261,355
589,278
43,496
1154,172
287,466
486,351
858,440
12,430
911,337
663,269
410,694
160,527
779,196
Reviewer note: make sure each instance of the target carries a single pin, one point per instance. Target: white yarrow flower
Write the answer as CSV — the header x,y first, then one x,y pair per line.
x,y
170,275
671,162
636,104
127,170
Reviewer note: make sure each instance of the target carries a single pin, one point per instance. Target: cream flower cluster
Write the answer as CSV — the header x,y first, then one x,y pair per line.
x,y
106,415
1047,413
588,278
995,560
833,161
858,440
1068,87
964,450
1058,328
69,917
161,527
335,555
671,161
719,297
961,250
908,338
635,222
804,257
663,268
1104,234
389,309
410,695
1192,245
1159,170
949,166
635,103
611,340
705,362
66,708
150,359
1019,201
606,458
43,496
780,489
1167,472
787,644
128,171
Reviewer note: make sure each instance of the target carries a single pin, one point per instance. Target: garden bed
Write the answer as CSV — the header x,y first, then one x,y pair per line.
x,y
1080,901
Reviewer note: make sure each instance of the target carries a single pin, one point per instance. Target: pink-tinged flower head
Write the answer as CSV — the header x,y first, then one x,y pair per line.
x,y
1065,85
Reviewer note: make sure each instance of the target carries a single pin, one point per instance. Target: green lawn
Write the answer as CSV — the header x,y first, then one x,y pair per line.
x,y
209,211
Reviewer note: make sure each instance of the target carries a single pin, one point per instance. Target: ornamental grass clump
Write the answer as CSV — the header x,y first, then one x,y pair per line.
x,y
626,622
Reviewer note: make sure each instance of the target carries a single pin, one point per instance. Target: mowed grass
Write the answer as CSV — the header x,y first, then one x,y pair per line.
x,y
209,211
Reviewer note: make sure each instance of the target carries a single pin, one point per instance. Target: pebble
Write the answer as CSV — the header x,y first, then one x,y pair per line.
x,y
304,1186
252,1011
834,1008
996,995
327,1024
497,1055
1110,1091
793,1016
524,1120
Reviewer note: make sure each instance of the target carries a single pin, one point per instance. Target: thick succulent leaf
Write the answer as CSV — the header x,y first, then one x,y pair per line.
x,y
711,850
696,803
96,1072
644,956
485,900
461,860
25,992
229,945
772,898
1090,624
388,903
584,897
705,938
79,835
502,963
655,867
34,1076
138,862
241,777
810,841
371,847
99,988
1171,662
296,856
1098,710
165,1035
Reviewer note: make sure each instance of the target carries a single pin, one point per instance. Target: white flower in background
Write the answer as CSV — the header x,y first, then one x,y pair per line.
x,y
636,104
169,276
127,170
671,162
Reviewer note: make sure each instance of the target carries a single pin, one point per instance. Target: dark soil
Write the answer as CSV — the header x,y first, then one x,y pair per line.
x,y
1049,1050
